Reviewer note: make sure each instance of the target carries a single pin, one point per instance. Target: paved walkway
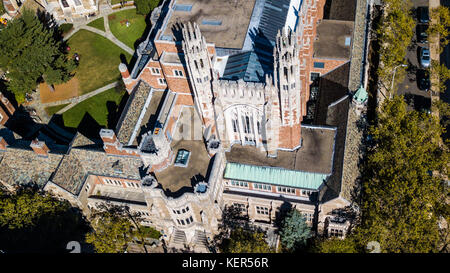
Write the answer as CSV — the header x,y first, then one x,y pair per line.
x,y
74,101
40,107
107,33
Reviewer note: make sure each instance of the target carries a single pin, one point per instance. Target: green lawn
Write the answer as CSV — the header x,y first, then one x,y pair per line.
x,y
99,60
95,106
53,109
127,35
98,24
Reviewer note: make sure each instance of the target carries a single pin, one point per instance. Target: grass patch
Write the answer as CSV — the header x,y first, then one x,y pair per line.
x,y
99,60
98,24
53,109
98,107
151,232
135,30
65,28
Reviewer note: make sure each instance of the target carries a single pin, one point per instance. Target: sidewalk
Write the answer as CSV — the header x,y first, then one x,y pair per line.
x,y
107,33
434,55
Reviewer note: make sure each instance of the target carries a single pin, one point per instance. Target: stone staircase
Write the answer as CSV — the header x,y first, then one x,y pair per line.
x,y
200,239
179,237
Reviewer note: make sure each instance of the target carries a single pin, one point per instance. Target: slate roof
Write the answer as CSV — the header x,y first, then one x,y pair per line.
x,y
132,111
19,164
22,166
79,163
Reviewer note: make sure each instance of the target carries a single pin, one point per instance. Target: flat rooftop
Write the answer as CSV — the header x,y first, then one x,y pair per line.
x,y
334,41
222,22
176,178
315,155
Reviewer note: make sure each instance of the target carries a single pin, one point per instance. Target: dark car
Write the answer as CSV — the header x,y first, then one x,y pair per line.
x,y
422,35
422,14
423,80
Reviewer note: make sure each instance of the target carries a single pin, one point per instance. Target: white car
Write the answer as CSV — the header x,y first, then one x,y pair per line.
x,y
424,57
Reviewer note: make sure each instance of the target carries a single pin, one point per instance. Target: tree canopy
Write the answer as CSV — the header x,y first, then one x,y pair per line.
x,y
403,190
294,231
395,32
335,245
144,7
114,227
246,241
439,25
31,221
31,54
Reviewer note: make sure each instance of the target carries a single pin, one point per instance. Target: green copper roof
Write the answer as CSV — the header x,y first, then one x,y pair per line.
x,y
361,95
275,176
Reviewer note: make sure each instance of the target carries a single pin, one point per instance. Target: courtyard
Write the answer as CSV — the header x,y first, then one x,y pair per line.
x,y
102,108
127,26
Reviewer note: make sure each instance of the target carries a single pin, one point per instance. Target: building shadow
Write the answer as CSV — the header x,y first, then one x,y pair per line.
x,y
89,127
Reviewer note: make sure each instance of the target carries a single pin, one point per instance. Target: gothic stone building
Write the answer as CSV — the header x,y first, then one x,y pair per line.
x,y
215,116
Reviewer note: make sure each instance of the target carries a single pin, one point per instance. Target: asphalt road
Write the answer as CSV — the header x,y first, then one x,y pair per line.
x,y
415,97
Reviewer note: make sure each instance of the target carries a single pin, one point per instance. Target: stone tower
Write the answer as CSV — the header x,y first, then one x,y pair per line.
x,y
199,67
287,81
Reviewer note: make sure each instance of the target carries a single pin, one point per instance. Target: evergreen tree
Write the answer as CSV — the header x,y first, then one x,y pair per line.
x,y
294,231
403,190
30,54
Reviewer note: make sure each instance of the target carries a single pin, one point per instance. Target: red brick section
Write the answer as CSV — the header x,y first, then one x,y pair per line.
x,y
289,136
39,147
330,65
162,46
307,51
99,180
7,104
111,145
3,116
3,144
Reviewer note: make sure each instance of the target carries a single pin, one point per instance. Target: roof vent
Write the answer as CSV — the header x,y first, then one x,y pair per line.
x,y
212,22
348,41
185,8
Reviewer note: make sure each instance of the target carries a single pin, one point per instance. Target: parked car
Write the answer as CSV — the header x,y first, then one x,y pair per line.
x,y
423,79
424,57
422,35
422,14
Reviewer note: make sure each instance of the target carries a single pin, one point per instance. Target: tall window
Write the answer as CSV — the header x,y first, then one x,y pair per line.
x,y
235,125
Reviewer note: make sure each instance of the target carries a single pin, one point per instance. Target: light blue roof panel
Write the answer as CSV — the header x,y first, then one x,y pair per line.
x,y
274,176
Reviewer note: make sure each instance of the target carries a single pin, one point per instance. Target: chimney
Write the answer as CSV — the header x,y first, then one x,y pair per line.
x,y
108,136
7,104
39,147
125,76
3,144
